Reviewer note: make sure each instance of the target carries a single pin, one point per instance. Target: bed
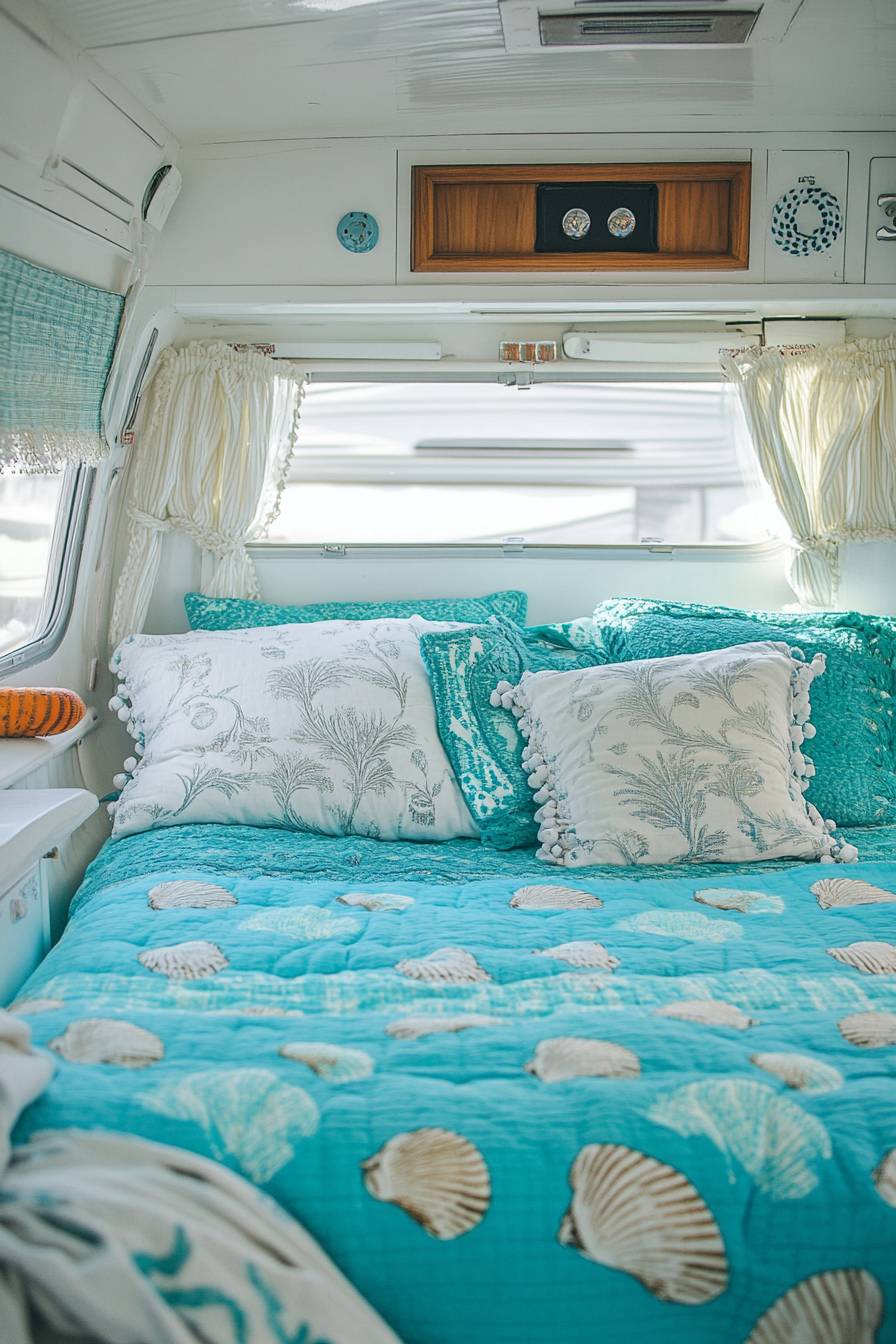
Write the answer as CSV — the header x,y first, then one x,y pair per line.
x,y
468,1134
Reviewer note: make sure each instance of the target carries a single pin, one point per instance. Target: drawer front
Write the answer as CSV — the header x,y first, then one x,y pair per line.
x,y
23,932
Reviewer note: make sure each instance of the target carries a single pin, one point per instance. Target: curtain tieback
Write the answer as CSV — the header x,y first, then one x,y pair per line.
x,y
207,538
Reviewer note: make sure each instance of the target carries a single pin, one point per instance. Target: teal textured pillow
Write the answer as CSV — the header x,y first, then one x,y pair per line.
x,y
854,751
237,613
481,740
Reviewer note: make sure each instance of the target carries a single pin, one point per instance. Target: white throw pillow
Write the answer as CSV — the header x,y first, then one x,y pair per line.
x,y
325,727
674,760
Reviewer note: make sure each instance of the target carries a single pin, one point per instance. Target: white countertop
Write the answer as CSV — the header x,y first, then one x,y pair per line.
x,y
33,821
20,755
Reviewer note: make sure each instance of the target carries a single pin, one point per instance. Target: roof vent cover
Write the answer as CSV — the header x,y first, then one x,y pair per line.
x,y
647,28
553,26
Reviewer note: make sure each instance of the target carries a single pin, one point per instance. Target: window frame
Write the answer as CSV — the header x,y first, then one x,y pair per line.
x,y
62,573
510,376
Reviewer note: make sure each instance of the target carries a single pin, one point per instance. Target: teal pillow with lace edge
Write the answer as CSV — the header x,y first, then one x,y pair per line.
x,y
854,752
237,613
480,738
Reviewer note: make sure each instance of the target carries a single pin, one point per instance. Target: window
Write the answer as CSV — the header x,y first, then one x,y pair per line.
x,y
555,463
41,519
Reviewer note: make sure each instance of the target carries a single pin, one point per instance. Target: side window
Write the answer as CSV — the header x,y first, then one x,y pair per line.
x,y
41,518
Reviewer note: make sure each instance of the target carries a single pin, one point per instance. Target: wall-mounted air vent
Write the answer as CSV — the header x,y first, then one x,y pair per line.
x,y
549,26
647,28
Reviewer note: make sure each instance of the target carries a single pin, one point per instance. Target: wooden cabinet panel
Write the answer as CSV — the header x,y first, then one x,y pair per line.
x,y
482,217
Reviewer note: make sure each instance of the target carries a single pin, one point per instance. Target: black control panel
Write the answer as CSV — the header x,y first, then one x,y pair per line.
x,y
596,217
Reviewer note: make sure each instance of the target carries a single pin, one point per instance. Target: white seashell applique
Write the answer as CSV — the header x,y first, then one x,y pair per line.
x,y
748,902
184,961
247,1114
335,1063
192,895
562,1057
379,900
446,966
635,1214
801,1072
884,1177
869,1031
833,891
708,1012
554,898
843,1306
24,1007
268,1010
592,955
436,1176
412,1028
871,958
108,1040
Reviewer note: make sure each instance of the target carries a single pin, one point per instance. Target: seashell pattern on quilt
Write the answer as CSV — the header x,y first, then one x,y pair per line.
x,y
593,956
872,958
688,924
189,895
842,1306
334,1063
708,1012
885,1178
633,1213
748,902
801,1072
772,1137
447,966
377,900
559,1058
845,891
436,1176
869,1031
548,897
304,924
413,1028
249,1115
108,1040
184,961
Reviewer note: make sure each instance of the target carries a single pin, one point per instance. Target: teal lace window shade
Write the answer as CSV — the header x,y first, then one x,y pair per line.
x,y
57,337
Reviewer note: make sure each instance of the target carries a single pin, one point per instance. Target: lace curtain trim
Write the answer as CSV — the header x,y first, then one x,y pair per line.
x,y
43,451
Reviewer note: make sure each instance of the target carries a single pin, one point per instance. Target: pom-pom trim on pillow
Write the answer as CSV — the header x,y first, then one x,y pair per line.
x,y
554,826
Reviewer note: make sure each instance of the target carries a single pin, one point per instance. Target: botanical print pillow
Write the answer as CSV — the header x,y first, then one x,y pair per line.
x,y
237,613
674,760
479,736
328,727
852,706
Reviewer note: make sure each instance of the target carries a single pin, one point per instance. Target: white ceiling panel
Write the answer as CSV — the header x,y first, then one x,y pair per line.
x,y
230,69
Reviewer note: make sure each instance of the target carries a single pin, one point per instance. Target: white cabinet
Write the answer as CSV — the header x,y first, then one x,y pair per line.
x,y
33,823
880,253
806,197
24,930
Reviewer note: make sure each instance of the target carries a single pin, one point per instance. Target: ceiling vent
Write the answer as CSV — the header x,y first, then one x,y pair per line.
x,y
649,28
532,26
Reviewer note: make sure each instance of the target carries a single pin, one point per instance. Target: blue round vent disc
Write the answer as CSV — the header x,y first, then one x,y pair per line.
x,y
358,231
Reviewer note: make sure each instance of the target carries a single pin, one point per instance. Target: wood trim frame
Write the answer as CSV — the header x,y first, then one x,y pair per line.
x,y
458,224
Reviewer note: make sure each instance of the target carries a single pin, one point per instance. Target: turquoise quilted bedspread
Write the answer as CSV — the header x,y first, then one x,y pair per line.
x,y
642,1120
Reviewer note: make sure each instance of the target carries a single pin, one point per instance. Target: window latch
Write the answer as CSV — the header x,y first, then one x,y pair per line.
x,y
334,550
512,544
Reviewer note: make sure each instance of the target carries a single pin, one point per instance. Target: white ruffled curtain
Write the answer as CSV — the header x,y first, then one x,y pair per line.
x,y
823,428
217,432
